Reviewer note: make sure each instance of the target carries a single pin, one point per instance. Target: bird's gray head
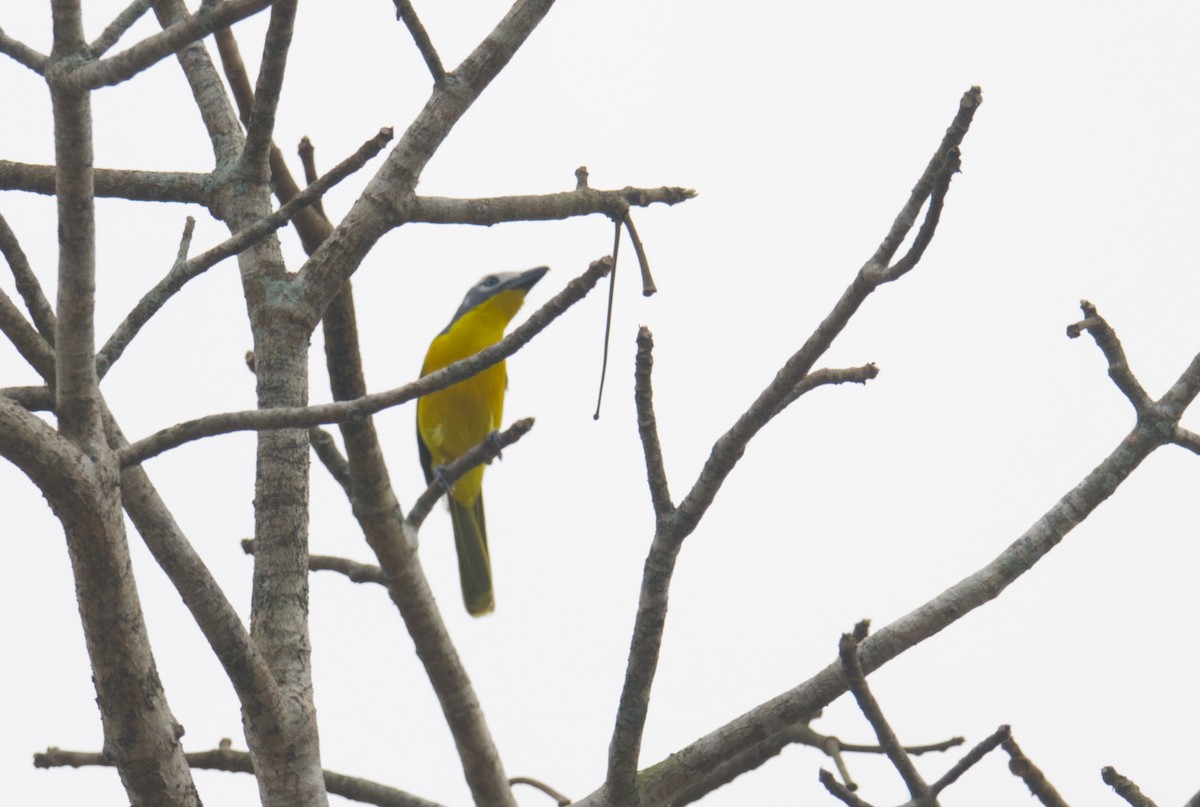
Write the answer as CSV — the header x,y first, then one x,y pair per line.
x,y
493,284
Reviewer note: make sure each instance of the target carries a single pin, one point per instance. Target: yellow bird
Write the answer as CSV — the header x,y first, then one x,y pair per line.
x,y
453,420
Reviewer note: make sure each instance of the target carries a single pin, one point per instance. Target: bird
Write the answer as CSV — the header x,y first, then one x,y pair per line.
x,y
452,420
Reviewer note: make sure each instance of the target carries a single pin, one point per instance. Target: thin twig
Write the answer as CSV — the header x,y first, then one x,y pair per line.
x,y
136,58
936,168
181,273
829,376
608,309
970,758
308,160
307,416
840,791
856,679
276,45
625,745
484,451
226,759
933,214
648,287
1021,767
405,12
329,455
1118,365
562,800
353,570
27,283
643,397
1125,788
117,28
28,342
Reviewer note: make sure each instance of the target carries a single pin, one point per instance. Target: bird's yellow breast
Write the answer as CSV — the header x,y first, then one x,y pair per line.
x,y
458,417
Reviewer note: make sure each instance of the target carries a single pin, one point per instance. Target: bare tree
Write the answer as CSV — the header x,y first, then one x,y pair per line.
x,y
92,474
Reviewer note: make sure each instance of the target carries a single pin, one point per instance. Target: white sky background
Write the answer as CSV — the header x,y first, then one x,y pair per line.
x,y
803,126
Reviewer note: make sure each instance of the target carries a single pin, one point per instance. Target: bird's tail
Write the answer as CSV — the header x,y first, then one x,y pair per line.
x,y
474,562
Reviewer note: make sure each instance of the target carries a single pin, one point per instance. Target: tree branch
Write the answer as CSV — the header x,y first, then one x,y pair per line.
x,y
276,46
1125,788
969,759
327,452
28,342
772,718
27,283
307,416
406,12
482,452
185,270
1021,767
620,783
857,682
210,17
582,201
33,399
118,27
352,569
385,201
138,186
226,759
829,376
1118,365
643,397
224,131
23,54
923,190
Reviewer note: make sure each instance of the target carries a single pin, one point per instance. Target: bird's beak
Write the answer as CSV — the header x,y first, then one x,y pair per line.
x,y
526,280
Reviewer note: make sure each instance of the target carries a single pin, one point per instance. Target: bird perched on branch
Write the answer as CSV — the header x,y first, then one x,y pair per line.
x,y
453,420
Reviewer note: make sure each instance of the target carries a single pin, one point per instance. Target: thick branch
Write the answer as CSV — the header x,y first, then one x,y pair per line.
x,y
307,416
34,399
139,186
23,54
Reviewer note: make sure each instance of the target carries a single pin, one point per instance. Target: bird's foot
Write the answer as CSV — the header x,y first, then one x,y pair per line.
x,y
494,439
439,476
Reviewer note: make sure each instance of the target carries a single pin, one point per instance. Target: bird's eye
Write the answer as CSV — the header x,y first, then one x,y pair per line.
x,y
490,281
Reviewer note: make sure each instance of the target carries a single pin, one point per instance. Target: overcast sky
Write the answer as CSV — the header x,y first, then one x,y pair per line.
x,y
803,126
